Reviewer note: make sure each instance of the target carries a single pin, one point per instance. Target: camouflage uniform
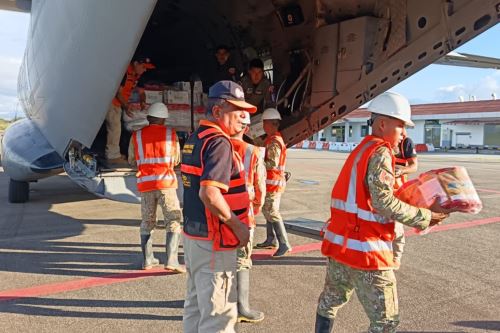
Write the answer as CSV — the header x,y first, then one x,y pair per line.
x,y
259,95
169,203
271,209
166,198
256,192
376,289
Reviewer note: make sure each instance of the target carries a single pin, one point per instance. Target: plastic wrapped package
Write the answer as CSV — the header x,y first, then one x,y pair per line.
x,y
138,119
451,186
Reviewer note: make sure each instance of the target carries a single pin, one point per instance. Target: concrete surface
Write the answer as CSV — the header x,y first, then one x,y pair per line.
x,y
68,260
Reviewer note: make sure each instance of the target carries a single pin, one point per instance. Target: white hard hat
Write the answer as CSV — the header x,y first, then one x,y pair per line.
x,y
158,110
271,114
392,105
246,120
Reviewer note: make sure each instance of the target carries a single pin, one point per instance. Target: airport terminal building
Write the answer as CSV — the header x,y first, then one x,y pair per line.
x,y
445,125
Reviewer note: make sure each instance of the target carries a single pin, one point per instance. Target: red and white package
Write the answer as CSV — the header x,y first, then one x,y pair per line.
x,y
452,187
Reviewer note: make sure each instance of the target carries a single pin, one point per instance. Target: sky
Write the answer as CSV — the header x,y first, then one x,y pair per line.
x,y
434,84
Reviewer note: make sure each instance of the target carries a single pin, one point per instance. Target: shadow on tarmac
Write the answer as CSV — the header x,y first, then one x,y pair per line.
x,y
31,233
38,307
491,325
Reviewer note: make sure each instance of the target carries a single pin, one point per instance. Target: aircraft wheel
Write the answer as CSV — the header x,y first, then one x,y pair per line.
x,y
19,192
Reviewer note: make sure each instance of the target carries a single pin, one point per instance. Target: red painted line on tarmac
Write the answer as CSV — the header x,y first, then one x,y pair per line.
x,y
54,288
462,225
59,287
487,190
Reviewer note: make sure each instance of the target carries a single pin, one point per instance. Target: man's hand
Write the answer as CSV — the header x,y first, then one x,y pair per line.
x,y
399,171
241,231
438,213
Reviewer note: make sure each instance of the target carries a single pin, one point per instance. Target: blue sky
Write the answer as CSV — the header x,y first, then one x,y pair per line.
x,y
434,84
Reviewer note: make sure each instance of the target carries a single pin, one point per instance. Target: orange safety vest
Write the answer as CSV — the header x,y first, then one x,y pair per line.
x,y
357,236
276,181
204,225
249,155
129,85
155,148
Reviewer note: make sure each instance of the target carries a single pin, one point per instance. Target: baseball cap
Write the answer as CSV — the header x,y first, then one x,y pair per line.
x,y
145,61
232,93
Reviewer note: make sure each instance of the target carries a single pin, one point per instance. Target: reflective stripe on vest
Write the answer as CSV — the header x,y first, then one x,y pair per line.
x,y
168,149
364,214
353,244
155,172
358,236
276,181
236,196
154,177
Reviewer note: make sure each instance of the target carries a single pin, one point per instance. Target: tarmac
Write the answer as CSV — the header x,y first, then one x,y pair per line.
x,y
69,261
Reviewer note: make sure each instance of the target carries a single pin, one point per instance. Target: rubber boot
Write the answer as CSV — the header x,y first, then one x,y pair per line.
x,y
284,245
172,250
245,314
148,259
270,242
323,324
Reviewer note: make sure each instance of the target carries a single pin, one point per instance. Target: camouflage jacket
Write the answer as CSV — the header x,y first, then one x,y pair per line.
x,y
380,181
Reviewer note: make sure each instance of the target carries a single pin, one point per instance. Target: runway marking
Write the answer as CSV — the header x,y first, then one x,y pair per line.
x,y
487,190
462,225
72,285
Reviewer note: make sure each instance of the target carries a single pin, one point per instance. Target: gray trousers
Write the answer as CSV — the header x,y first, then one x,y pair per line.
x,y
211,297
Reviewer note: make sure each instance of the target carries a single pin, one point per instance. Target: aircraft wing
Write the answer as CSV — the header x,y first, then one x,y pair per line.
x,y
469,60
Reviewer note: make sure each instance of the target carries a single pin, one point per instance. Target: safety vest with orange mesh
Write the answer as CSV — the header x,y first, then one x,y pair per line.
x,y
249,155
357,236
199,222
276,181
127,86
155,148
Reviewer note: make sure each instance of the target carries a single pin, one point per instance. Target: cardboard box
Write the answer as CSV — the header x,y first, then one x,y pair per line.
x,y
176,97
153,96
186,86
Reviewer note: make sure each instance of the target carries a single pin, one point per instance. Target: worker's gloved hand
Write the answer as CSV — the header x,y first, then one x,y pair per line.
x,y
288,174
438,213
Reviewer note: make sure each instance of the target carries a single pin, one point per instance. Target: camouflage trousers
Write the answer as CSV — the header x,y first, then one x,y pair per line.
x,y
399,242
169,203
244,254
376,291
271,208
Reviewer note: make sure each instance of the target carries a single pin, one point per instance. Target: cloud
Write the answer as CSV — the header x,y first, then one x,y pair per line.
x,y
481,89
9,69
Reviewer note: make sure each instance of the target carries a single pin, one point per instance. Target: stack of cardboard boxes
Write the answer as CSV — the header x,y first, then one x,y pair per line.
x,y
177,97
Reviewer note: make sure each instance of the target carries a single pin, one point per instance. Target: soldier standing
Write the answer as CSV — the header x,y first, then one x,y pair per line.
x,y
358,240
255,177
275,160
155,151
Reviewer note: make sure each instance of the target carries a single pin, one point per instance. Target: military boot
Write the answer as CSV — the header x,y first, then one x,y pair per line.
x,y
245,314
323,324
148,259
284,245
270,242
172,250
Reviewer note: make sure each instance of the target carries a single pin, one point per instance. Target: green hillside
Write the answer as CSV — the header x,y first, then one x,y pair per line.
x,y
3,124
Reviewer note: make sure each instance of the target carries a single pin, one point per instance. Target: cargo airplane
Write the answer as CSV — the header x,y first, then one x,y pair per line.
x,y
327,58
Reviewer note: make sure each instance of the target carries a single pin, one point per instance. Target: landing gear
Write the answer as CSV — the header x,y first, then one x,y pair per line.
x,y
19,191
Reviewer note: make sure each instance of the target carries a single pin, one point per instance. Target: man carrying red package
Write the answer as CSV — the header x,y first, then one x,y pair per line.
x,y
358,239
